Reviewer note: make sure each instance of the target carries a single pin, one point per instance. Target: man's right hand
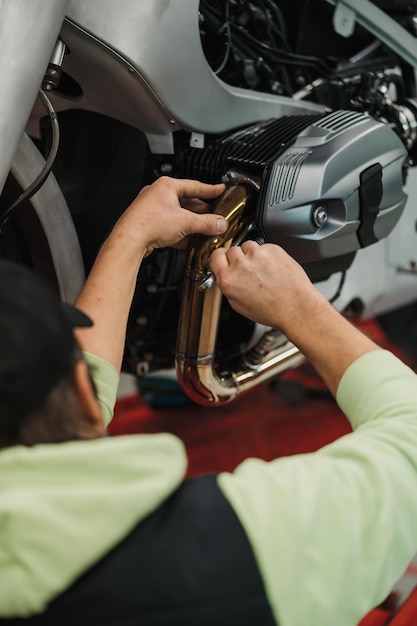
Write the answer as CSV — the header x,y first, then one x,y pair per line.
x,y
263,283
266,285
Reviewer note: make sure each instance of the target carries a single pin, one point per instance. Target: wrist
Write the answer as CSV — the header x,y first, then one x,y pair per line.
x,y
304,315
126,244
327,339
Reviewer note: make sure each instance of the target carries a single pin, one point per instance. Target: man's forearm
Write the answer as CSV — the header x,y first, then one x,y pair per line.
x,y
155,219
329,341
106,297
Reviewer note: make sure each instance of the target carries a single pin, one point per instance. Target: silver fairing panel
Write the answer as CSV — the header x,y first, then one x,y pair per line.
x,y
28,32
160,80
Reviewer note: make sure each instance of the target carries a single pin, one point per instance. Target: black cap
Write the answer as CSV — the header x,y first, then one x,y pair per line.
x,y
36,340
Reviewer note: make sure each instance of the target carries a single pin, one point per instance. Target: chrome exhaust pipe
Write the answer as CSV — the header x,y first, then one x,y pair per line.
x,y
204,380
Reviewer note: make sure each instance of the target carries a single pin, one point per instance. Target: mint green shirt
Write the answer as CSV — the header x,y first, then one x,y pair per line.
x,y
106,379
332,531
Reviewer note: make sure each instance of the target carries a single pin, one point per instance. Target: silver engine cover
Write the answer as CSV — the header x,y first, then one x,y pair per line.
x,y
337,188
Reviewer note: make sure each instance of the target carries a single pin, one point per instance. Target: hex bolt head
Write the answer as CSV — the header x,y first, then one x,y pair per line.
x,y
319,216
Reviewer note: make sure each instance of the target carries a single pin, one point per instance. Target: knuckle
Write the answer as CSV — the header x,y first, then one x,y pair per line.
x,y
223,278
164,181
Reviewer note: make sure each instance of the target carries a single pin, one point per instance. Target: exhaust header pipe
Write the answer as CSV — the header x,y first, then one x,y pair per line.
x,y
203,379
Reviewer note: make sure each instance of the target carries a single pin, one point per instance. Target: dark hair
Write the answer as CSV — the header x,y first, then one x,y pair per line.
x,y
36,339
59,418
38,355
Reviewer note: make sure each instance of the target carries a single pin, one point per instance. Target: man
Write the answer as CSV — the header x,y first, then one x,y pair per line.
x,y
97,530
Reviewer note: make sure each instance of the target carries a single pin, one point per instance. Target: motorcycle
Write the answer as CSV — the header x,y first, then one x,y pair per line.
x,y
307,110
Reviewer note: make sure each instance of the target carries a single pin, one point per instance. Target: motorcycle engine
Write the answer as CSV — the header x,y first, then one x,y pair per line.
x,y
329,185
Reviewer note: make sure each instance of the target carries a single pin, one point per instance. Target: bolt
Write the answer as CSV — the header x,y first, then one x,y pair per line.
x,y
230,177
206,283
142,368
319,216
276,87
166,168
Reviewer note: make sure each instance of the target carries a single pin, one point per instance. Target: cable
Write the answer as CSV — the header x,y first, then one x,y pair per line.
x,y
290,58
228,44
339,289
43,175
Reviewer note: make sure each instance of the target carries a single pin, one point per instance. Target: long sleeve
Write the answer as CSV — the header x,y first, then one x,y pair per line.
x,y
106,379
332,531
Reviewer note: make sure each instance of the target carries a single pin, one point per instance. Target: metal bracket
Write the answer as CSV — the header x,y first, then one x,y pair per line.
x,y
344,19
377,22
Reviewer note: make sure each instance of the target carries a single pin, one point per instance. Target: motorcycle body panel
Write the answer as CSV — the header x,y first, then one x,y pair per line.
x,y
160,44
28,32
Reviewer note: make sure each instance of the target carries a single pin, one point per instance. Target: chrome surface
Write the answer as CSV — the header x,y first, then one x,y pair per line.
x,y
202,378
54,70
58,53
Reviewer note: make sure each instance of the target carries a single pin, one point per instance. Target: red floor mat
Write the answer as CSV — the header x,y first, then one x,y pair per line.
x,y
261,424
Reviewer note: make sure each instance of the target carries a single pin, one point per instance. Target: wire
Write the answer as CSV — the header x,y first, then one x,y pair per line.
x,y
339,288
289,58
229,38
280,22
44,173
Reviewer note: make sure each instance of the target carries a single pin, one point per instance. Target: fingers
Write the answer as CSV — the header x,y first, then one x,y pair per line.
x,y
225,257
194,204
250,246
205,224
219,261
195,189
162,221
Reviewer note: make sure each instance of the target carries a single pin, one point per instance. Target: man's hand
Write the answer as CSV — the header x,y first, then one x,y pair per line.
x,y
158,217
266,285
262,283
168,211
